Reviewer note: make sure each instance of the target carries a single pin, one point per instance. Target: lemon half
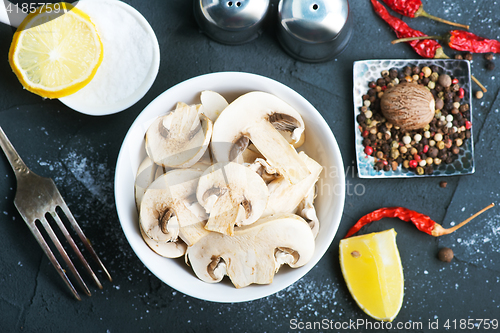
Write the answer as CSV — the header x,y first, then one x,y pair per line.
x,y
372,269
56,50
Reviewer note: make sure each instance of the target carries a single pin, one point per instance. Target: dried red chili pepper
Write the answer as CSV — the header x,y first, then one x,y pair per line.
x,y
460,40
422,222
424,45
414,8
427,48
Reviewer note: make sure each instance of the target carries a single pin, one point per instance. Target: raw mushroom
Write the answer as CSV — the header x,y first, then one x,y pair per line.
x,y
180,138
285,197
213,104
168,197
169,250
147,172
248,156
255,252
256,117
296,143
233,195
307,211
206,158
263,169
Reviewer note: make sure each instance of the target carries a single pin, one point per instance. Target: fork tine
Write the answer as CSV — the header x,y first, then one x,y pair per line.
x,y
52,258
64,255
71,242
83,238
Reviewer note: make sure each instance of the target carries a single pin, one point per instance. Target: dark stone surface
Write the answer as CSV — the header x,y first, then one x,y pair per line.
x,y
79,152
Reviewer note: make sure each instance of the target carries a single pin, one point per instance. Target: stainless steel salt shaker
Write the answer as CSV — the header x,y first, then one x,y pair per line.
x,y
314,30
231,21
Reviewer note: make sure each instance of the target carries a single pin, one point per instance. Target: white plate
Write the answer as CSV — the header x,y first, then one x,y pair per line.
x,y
113,19
320,144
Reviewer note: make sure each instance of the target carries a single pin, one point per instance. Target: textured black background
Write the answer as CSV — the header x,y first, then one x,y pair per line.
x,y
80,153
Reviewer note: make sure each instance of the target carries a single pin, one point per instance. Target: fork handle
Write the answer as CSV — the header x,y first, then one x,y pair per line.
x,y
14,159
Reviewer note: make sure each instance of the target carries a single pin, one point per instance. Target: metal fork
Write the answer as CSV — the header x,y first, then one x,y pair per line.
x,y
36,198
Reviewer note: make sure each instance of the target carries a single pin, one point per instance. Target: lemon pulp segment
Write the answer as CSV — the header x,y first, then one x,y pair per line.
x,y
372,269
54,54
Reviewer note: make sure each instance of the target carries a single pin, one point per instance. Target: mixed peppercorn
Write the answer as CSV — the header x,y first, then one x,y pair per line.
x,y
419,151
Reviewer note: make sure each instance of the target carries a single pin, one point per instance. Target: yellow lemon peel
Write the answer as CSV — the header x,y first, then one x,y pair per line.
x,y
56,50
372,269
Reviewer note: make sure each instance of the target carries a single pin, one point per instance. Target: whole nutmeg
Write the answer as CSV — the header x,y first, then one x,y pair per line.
x,y
409,106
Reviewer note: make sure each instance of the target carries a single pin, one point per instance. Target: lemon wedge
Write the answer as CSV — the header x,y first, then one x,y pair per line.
x,y
372,269
56,50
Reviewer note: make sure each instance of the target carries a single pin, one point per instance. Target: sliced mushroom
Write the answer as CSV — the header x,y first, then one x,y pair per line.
x,y
213,104
290,127
180,138
285,197
289,136
147,172
173,249
197,210
248,156
255,117
255,253
307,211
206,158
233,195
170,196
263,169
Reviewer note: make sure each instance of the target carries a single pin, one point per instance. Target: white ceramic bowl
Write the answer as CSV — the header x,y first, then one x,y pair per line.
x,y
320,144
113,19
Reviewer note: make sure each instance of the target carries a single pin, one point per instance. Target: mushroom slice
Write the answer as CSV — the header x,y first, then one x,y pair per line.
x,y
168,197
233,195
213,104
254,117
307,211
296,141
255,252
263,169
174,249
248,156
147,172
180,138
206,158
285,197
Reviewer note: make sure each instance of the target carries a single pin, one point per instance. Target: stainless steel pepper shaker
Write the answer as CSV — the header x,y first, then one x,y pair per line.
x,y
314,30
231,21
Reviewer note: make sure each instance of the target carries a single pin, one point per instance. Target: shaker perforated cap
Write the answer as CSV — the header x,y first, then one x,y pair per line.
x,y
231,22
314,30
